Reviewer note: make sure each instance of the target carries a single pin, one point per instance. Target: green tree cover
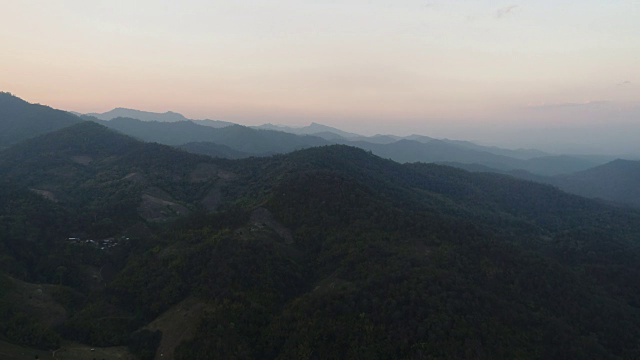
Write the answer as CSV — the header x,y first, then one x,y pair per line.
x,y
387,260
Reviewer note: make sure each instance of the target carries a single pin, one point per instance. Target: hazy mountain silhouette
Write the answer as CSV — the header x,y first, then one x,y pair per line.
x,y
617,181
214,123
168,116
436,151
522,154
248,141
560,164
239,138
311,129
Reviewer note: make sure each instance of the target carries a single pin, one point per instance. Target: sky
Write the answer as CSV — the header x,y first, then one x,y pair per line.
x,y
563,74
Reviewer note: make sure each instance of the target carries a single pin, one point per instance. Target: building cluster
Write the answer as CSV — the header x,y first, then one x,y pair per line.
x,y
102,244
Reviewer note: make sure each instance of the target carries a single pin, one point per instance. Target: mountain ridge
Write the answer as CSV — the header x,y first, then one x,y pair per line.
x,y
20,120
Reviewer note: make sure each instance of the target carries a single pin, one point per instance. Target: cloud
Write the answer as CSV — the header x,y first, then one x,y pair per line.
x,y
625,83
505,11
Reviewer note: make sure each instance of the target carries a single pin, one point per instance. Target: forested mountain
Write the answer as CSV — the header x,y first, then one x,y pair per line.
x,y
328,252
20,120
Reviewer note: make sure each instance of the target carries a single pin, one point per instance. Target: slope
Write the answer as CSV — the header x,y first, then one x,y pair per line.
x,y
418,261
20,120
115,179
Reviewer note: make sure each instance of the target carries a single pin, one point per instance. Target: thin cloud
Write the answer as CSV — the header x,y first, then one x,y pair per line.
x,y
505,11
625,83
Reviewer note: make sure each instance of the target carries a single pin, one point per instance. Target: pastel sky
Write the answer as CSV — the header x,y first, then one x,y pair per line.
x,y
480,70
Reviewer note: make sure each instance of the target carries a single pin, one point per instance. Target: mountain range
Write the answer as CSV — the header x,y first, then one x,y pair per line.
x,y
260,142
325,252
228,140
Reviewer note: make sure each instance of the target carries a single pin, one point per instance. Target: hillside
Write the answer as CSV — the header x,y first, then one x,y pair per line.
x,y
379,246
107,174
615,181
20,120
327,252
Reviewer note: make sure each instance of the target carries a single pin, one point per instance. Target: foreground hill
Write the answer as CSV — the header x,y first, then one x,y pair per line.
x,y
20,120
385,260
327,252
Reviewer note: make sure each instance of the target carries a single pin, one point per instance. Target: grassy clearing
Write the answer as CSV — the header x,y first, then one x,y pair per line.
x,y
178,324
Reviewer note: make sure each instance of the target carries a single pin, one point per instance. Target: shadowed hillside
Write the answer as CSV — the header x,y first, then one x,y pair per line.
x,y
20,120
